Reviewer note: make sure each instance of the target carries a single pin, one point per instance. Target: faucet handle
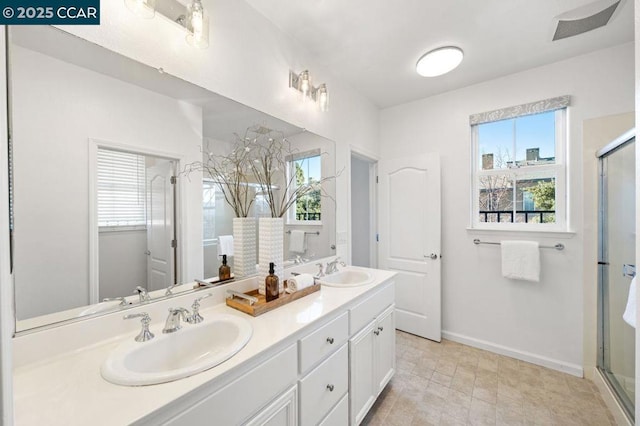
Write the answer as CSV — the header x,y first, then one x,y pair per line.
x,y
195,316
145,334
142,293
320,272
123,301
168,291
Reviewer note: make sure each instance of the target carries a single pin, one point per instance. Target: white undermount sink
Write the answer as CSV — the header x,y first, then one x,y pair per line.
x,y
347,277
167,357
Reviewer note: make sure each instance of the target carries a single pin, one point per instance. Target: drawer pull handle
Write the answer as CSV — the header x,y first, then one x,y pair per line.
x,y
330,387
380,328
376,332
330,340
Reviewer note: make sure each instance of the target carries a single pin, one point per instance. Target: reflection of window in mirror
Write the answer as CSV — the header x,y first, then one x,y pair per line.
x,y
305,169
208,212
121,190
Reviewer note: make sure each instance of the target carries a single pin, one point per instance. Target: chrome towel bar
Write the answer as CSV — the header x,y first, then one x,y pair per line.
x,y
558,246
307,232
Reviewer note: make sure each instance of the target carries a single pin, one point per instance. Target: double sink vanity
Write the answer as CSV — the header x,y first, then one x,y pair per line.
x,y
322,359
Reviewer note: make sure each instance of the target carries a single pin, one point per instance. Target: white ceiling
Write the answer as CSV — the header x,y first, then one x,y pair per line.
x,y
374,44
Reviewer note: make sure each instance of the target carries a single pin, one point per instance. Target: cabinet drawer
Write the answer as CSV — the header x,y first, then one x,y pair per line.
x,y
323,387
323,341
361,314
339,416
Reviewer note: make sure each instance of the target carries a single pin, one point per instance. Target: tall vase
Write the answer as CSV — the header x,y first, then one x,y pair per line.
x,y
271,249
244,246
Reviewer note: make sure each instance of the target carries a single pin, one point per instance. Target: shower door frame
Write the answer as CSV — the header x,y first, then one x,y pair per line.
x,y
603,360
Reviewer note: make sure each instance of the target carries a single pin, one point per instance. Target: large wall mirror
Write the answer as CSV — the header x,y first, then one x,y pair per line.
x,y
101,204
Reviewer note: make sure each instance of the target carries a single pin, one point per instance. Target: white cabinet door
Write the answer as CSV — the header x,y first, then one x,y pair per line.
x,y
362,391
385,349
281,412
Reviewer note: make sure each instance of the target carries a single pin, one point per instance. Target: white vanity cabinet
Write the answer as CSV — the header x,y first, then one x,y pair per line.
x,y
371,353
281,412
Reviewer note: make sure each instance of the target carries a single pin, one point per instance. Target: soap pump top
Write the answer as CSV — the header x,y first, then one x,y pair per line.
x,y
224,272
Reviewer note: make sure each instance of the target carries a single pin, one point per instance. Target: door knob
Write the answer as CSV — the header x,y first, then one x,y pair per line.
x,y
147,252
433,256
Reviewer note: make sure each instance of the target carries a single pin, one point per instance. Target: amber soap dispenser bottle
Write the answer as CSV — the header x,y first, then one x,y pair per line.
x,y
224,272
271,284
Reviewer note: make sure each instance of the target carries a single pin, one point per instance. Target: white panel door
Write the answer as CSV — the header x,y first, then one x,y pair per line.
x,y
160,226
410,240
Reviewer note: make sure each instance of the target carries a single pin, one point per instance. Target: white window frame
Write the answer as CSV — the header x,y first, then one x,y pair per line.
x,y
557,170
291,213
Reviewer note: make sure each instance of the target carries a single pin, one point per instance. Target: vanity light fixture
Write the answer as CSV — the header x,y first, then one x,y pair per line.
x,y
302,83
439,61
143,8
193,18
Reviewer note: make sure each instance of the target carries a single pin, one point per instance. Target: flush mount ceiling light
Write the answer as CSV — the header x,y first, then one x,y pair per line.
x,y
193,18
302,83
439,61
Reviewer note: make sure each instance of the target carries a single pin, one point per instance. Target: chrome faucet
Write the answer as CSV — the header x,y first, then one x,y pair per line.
x,y
173,320
168,291
320,271
142,294
332,267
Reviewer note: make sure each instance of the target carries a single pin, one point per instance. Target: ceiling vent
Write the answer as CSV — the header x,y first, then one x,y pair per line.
x,y
584,19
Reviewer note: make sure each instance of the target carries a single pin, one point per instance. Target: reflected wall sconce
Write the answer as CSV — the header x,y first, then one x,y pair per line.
x,y
302,83
193,18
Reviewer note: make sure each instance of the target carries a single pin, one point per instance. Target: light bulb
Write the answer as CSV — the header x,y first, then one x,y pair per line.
x,y
197,25
304,84
323,98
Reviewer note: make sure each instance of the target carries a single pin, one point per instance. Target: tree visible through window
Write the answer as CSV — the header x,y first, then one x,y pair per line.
x,y
308,172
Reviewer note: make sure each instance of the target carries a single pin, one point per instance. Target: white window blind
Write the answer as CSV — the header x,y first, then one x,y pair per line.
x,y
121,188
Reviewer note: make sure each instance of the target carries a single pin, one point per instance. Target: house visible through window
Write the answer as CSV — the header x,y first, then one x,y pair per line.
x,y
121,189
519,168
306,171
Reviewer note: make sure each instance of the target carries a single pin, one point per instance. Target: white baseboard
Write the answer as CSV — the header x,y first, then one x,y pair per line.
x,y
565,367
610,400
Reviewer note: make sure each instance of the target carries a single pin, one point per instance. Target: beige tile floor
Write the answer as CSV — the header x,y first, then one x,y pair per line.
x,y
452,384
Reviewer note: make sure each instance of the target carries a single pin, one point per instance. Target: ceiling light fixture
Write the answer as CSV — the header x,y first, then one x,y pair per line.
x,y
439,61
193,18
302,83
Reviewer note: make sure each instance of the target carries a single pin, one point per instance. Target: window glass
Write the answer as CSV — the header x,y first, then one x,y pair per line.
x,y
516,169
308,173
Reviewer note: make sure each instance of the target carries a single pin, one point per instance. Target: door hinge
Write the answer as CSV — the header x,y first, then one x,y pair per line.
x,y
377,238
377,179
603,263
174,180
174,244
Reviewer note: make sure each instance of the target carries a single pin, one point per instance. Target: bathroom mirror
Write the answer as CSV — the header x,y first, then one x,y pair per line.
x,y
96,141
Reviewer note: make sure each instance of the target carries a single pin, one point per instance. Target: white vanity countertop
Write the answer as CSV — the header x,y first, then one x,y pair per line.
x,y
67,389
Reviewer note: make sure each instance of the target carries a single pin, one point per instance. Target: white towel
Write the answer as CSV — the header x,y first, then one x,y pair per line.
x,y
225,245
299,282
630,312
521,260
297,241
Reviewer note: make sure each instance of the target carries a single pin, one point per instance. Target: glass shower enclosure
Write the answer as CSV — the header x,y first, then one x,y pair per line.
x,y
616,267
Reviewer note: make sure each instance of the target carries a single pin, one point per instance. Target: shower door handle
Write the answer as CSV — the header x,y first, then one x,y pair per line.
x,y
629,270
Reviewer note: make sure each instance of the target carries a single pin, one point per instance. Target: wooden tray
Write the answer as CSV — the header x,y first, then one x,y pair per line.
x,y
262,306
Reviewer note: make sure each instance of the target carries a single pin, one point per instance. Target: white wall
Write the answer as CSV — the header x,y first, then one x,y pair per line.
x,y
541,322
56,108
